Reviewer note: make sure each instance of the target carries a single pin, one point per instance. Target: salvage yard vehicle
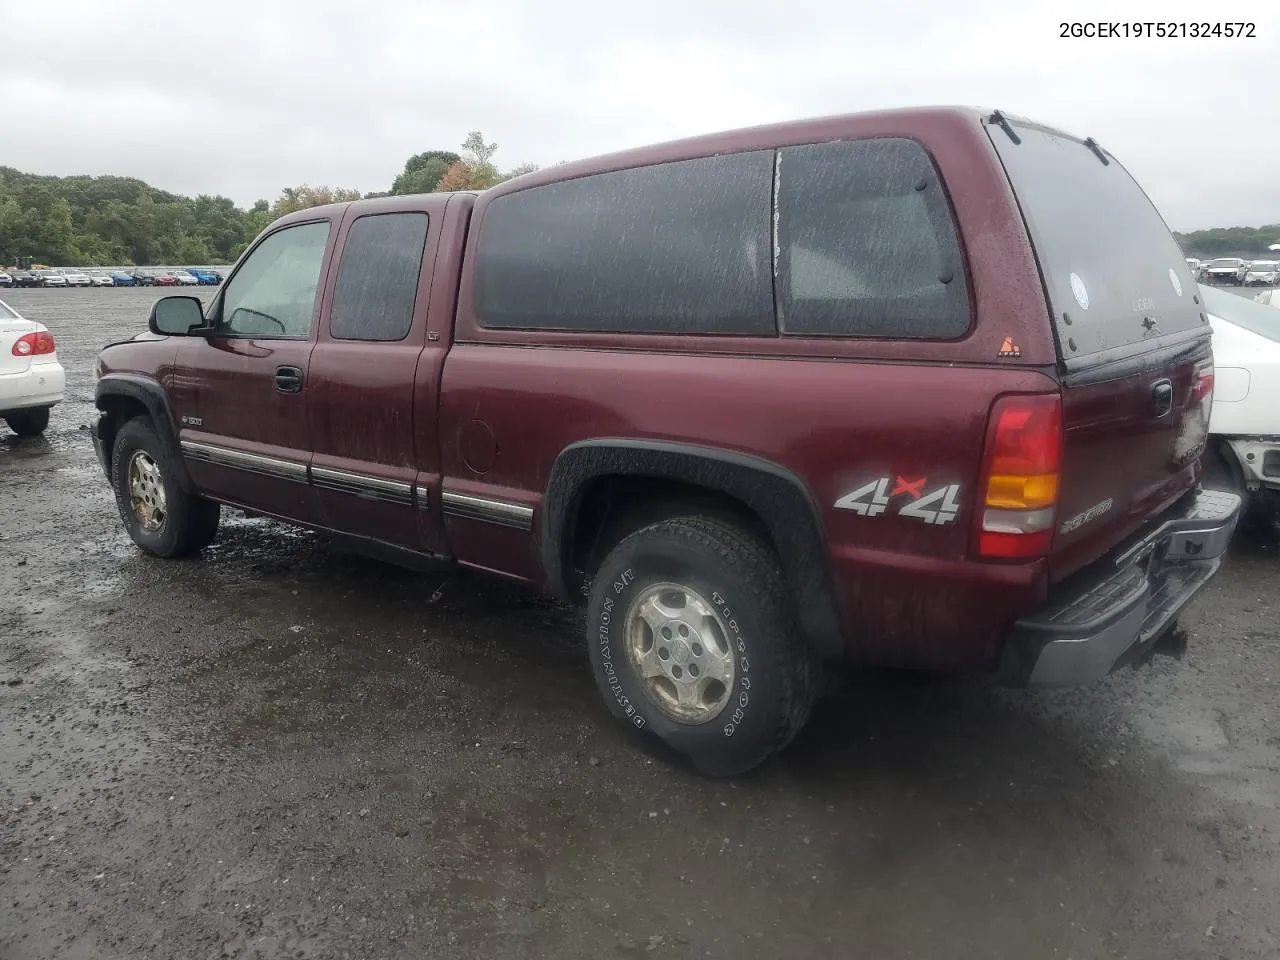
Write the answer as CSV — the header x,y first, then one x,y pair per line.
x,y
1243,454
51,278
1262,272
122,279
1224,270
763,401
31,378
78,278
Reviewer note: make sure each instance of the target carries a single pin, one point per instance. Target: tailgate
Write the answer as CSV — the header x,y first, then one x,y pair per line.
x,y
1133,340
1131,441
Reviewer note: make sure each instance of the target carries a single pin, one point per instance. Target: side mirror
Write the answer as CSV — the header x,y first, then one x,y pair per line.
x,y
176,316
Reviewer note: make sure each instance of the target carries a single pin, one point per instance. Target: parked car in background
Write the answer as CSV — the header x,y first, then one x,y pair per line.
x,y
165,280
27,278
6,280
100,278
1243,454
1262,273
206,278
185,279
77,278
1009,483
51,278
1194,266
122,279
144,278
1224,270
31,378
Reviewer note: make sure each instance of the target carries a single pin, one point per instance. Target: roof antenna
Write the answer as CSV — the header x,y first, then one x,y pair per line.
x,y
1092,144
1002,121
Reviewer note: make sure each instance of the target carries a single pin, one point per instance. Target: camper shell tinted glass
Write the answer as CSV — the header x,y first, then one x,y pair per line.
x,y
1113,273
681,247
867,246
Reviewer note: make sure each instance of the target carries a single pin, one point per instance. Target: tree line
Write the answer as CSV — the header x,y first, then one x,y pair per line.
x,y
1247,242
119,221
122,221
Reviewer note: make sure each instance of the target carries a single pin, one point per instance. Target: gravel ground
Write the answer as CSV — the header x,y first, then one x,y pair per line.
x,y
280,750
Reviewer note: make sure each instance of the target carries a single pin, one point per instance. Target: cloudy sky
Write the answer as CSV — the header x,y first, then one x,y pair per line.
x,y
245,98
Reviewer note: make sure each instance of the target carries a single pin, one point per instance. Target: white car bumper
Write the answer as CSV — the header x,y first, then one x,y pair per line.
x,y
40,385
1259,458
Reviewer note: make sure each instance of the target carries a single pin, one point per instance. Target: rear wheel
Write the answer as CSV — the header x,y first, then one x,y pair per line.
x,y
30,422
691,639
160,517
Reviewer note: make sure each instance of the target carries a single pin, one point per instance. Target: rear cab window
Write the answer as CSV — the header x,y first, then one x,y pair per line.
x,y
1116,279
377,283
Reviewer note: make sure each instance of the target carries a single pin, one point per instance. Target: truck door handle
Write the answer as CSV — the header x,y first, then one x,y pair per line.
x,y
288,379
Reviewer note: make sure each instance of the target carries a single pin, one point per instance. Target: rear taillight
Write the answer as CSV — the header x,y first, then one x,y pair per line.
x,y
1021,466
1204,383
34,345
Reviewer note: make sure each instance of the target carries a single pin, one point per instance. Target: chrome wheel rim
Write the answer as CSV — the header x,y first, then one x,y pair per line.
x,y
678,647
146,491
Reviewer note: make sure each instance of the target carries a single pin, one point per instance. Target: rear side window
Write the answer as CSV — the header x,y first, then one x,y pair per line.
x,y
1112,270
378,277
867,244
679,247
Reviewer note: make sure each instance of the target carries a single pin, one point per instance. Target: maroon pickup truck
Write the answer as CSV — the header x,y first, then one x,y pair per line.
x,y
923,388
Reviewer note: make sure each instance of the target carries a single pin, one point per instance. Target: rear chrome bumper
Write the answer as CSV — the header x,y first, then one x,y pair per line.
x,y
1103,617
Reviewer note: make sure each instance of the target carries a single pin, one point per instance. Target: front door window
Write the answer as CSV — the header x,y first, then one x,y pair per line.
x,y
273,294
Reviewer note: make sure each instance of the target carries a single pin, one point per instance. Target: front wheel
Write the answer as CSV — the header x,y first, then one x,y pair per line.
x,y
691,639
159,516
30,422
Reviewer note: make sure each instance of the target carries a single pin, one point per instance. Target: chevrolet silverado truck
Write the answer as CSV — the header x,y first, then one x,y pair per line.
x,y
923,388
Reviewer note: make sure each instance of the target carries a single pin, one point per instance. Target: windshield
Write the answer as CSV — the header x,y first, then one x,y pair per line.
x,y
1224,263
1264,266
1255,317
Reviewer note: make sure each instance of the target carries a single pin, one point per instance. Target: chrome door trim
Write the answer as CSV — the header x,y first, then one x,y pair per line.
x,y
504,513
250,462
362,485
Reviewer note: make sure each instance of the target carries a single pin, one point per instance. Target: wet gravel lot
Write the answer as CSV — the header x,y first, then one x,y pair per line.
x,y
281,750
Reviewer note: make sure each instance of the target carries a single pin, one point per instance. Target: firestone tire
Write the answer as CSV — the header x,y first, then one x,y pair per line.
x,y
717,595
159,516
30,422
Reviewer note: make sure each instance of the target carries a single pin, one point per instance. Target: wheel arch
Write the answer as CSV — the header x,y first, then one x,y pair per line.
x,y
750,489
121,397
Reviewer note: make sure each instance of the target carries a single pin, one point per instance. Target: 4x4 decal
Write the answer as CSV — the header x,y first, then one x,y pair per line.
x,y
935,507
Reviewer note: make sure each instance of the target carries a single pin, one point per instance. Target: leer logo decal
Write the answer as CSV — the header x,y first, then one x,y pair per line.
x,y
935,507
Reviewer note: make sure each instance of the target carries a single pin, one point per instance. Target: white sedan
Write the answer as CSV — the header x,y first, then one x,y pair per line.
x,y
1244,424
101,279
31,378
77,278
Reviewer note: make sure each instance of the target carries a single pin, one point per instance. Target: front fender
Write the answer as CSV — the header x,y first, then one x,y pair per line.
x,y
138,389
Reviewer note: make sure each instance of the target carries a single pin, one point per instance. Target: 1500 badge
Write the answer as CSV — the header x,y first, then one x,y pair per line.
x,y
937,506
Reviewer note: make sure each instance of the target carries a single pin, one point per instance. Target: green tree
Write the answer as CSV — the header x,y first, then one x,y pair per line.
x,y
423,172
293,199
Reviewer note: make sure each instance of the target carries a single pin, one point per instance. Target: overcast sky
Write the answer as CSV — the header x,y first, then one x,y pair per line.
x,y
243,98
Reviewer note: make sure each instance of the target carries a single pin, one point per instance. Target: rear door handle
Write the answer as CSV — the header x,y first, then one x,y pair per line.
x,y
288,379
